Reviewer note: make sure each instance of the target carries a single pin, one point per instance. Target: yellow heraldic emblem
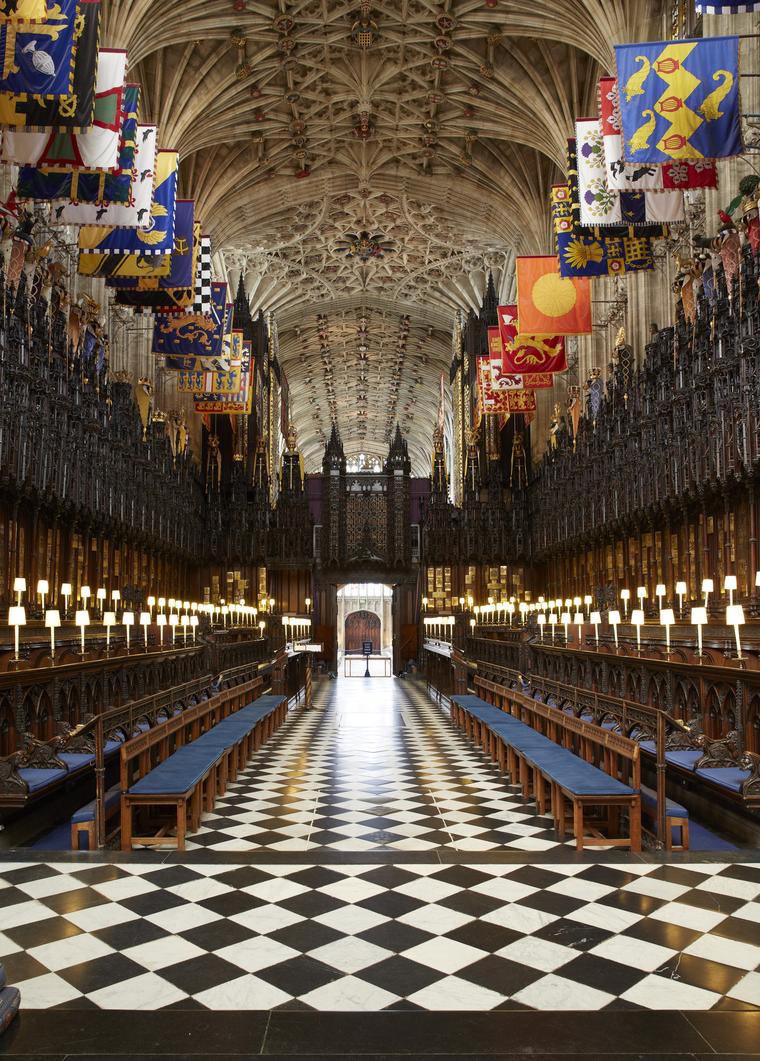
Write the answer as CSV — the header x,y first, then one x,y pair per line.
x,y
711,104
153,235
643,134
634,86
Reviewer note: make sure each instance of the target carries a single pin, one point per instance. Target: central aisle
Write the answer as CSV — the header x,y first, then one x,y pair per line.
x,y
374,765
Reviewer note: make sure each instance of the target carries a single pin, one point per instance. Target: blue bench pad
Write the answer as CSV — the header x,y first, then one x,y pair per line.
x,y
649,800
188,765
563,766
87,813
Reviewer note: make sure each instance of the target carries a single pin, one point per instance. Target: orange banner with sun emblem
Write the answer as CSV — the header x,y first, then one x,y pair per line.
x,y
549,304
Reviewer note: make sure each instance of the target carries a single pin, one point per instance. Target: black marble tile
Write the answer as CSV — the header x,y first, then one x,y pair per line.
x,y
48,930
98,874
301,975
699,972
101,972
122,1033
739,928
305,935
730,1032
69,902
599,973
500,974
483,935
154,902
590,1035
200,973
391,904
395,936
662,933
311,904
216,935
573,934
230,903
129,933
400,975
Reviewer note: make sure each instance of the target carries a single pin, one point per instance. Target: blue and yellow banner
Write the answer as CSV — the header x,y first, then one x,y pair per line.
x,y
713,7
582,252
679,99
136,251
191,341
239,402
16,11
67,43
161,295
181,266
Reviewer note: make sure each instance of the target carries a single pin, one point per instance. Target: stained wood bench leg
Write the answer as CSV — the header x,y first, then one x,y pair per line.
x,y
126,824
635,825
181,823
578,824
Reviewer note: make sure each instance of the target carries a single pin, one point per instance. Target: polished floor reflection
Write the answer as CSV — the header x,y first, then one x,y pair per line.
x,y
375,765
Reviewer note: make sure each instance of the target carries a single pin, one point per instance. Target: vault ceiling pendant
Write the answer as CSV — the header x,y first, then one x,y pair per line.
x,y
364,247
364,31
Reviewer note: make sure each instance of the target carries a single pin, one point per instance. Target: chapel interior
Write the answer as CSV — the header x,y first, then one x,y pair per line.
x,y
380,529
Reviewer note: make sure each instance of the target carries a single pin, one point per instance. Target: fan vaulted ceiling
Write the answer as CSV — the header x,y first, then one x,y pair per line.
x,y
364,166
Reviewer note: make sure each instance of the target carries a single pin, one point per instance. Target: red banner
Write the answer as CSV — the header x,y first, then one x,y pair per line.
x,y
529,355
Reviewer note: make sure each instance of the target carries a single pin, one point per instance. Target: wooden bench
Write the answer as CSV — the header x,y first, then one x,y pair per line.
x,y
83,820
676,817
185,763
574,764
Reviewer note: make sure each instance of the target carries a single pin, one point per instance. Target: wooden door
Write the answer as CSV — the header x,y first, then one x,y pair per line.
x,y
360,627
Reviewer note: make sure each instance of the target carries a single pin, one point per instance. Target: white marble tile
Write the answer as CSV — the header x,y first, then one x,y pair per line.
x,y
42,992
148,991
268,918
655,888
661,992
520,918
600,916
125,887
195,891
747,989
181,918
351,889
44,887
72,950
538,953
256,953
636,953
273,891
733,886
726,951
104,916
435,918
245,993
427,889
508,891
578,888
24,914
553,992
454,993
350,954
689,916
349,993
444,954
162,952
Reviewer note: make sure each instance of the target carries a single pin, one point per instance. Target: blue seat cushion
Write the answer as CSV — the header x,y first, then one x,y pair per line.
x,y
649,800
38,779
730,777
76,760
87,813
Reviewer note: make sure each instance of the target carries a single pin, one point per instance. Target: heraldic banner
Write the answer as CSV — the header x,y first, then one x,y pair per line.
x,y
550,304
679,99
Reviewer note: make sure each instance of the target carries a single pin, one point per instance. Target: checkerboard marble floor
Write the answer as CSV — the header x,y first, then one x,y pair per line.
x,y
375,765
425,936
370,860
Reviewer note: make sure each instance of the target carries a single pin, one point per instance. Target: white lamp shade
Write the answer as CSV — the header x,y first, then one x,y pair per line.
x,y
729,582
193,620
151,601
109,618
43,586
85,592
101,593
579,619
595,618
16,616
19,585
52,618
659,589
541,619
625,594
128,618
565,617
699,616
641,592
637,617
734,615
553,618
144,618
667,617
681,589
614,618
587,599
173,619
161,602
707,585
161,620
757,578
115,594
82,617
576,601
65,589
